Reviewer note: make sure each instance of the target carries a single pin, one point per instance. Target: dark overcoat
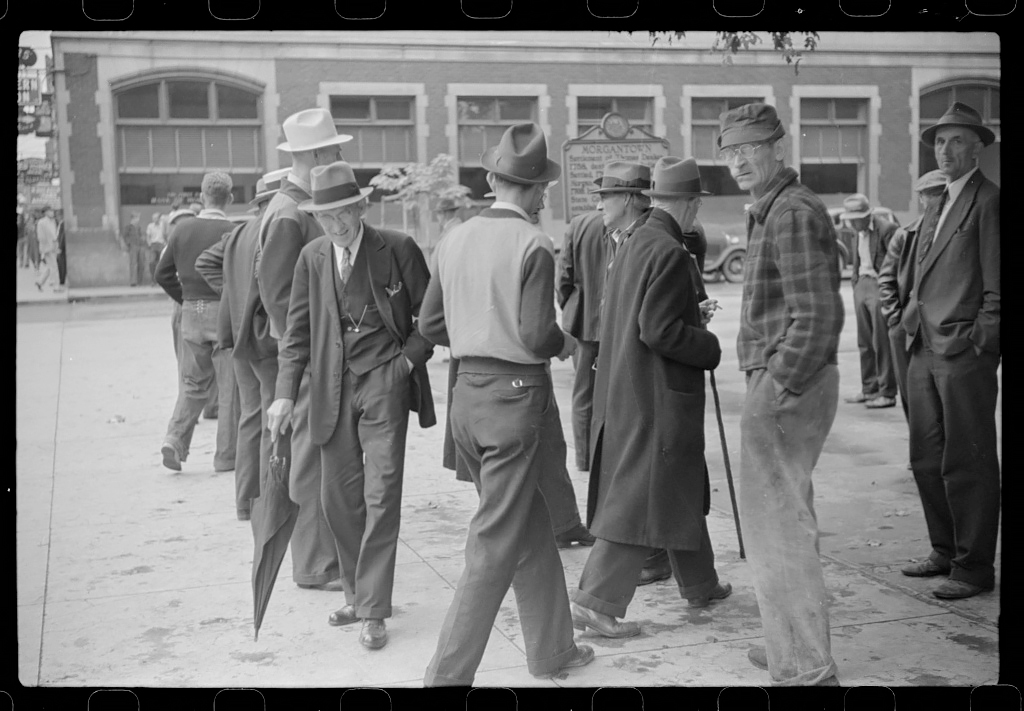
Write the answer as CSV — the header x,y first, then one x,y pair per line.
x,y
649,479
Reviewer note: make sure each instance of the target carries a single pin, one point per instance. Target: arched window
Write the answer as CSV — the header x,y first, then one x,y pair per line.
x,y
981,95
173,127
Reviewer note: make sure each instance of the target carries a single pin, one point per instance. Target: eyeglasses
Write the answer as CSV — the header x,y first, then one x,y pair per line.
x,y
747,150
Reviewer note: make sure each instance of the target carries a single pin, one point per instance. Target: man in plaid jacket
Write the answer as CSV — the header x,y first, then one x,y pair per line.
x,y
790,320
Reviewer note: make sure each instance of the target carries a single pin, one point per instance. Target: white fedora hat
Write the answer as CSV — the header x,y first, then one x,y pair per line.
x,y
310,129
269,184
333,186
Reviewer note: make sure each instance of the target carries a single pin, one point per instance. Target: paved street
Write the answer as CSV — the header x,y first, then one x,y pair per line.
x,y
130,575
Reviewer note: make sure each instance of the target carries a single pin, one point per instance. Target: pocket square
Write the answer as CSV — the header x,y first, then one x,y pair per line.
x,y
393,290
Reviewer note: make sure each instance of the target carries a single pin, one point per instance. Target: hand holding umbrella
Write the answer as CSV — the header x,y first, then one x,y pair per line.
x,y
279,417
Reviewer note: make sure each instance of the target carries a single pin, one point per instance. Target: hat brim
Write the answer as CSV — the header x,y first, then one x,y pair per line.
x,y
337,140
600,191
752,135
854,215
551,171
260,197
666,194
308,206
986,135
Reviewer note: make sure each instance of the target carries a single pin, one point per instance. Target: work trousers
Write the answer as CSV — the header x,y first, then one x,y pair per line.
x,y
585,361
363,466
210,410
877,375
900,363
612,571
954,456
201,362
255,380
138,264
496,420
781,437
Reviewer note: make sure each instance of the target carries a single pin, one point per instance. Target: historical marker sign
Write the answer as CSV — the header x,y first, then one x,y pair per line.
x,y
583,158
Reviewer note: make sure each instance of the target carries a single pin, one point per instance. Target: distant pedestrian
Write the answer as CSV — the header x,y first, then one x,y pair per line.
x,y
46,234
134,243
790,320
22,239
32,249
155,242
877,371
202,361
62,255
952,320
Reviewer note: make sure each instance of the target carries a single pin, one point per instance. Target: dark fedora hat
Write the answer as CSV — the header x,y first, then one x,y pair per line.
x,y
675,177
622,177
959,115
333,186
522,156
750,123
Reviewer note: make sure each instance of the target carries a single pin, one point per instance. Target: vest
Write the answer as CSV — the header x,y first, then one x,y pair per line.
x,y
371,345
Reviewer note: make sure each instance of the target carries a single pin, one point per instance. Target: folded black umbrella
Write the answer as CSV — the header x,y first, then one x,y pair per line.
x,y
273,520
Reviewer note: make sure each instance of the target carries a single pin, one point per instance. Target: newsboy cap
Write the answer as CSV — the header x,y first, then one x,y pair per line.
x,y
932,180
749,123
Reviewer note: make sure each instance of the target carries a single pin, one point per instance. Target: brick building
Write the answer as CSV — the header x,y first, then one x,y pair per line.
x,y
142,115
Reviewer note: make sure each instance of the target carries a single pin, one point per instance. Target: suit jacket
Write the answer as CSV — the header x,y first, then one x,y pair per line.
x,y
284,231
879,235
955,296
581,273
896,274
229,267
398,279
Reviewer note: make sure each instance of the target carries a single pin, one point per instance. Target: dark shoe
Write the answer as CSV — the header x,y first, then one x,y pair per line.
x,y
582,656
374,634
342,616
858,398
959,589
653,575
331,586
719,593
925,569
830,681
172,460
221,468
910,467
758,656
604,625
244,514
881,401
210,415
578,534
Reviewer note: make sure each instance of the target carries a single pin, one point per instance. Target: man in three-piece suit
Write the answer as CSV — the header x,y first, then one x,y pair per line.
x,y
229,267
355,298
284,231
952,323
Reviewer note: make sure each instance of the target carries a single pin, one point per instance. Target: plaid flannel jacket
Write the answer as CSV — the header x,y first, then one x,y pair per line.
x,y
792,313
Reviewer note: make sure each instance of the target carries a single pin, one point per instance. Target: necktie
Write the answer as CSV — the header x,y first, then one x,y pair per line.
x,y
346,265
928,233
613,247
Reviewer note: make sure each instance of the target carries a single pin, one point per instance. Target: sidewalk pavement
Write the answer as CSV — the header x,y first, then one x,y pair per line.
x,y
27,292
130,575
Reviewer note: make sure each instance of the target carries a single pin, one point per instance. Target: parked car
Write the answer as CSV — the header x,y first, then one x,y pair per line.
x,y
847,238
727,250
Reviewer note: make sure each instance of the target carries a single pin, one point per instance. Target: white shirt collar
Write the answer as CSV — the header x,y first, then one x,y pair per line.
x,y
499,205
211,213
353,249
957,186
304,184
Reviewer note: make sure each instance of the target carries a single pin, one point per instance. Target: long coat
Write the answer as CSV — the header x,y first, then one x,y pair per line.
x,y
398,279
649,480
581,272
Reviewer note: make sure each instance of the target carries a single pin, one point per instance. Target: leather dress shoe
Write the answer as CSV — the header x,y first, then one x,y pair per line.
x,y
330,586
582,656
374,634
925,569
959,589
342,616
578,534
719,593
881,401
858,398
172,460
604,625
653,575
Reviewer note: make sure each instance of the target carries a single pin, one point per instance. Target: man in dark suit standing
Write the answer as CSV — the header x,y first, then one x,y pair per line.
x,y
229,267
352,319
877,373
284,231
952,324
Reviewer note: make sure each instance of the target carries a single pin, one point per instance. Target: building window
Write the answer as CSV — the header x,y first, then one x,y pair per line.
x,y
382,129
482,122
705,124
591,109
984,98
834,144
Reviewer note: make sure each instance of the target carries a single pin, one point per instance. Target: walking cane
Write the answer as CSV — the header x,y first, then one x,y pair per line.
x,y
728,469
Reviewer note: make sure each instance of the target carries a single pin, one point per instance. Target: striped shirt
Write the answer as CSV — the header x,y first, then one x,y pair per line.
x,y
792,314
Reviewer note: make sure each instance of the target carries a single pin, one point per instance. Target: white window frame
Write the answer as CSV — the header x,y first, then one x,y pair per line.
x,y
417,90
765,92
655,92
867,180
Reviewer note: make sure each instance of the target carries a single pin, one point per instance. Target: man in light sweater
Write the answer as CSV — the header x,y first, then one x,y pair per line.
x,y
491,300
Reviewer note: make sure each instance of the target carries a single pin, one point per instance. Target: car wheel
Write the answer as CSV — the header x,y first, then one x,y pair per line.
x,y
732,270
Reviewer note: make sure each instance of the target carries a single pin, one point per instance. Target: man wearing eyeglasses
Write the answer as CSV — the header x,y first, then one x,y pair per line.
x,y
790,320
